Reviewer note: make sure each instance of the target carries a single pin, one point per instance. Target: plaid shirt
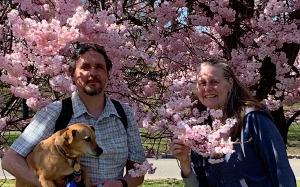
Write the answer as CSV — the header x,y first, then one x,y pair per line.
x,y
118,144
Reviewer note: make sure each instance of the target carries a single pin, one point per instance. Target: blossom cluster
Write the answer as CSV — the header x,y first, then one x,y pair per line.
x,y
181,117
212,141
51,26
40,52
142,169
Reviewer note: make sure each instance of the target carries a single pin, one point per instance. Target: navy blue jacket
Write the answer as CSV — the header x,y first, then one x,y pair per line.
x,y
259,160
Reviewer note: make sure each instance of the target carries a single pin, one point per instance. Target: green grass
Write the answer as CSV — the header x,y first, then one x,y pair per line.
x,y
163,183
154,142
293,144
7,183
10,137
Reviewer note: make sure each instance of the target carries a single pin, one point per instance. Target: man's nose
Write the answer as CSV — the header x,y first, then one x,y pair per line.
x,y
93,71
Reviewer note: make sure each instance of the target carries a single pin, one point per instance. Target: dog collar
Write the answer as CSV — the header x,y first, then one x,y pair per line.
x,y
62,151
74,161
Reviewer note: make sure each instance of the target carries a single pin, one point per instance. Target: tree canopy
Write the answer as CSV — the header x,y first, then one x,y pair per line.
x,y
155,47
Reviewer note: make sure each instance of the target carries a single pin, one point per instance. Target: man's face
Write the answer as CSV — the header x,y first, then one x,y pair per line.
x,y
90,75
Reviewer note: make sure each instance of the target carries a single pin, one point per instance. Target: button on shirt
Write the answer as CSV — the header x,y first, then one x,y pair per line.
x,y
118,144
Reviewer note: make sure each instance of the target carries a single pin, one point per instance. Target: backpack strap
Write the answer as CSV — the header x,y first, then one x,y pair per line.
x,y
121,112
67,112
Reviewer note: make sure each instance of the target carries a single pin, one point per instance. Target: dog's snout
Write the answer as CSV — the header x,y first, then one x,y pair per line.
x,y
99,151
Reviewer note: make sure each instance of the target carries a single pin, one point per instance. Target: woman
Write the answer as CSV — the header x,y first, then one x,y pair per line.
x,y
260,157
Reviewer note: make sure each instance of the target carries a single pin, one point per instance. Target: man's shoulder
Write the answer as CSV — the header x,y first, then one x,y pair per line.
x,y
126,107
124,111
54,105
52,108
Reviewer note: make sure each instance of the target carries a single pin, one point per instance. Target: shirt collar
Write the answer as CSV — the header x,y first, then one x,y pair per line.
x,y
80,109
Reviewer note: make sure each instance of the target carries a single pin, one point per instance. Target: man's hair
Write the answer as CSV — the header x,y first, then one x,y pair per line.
x,y
238,97
81,48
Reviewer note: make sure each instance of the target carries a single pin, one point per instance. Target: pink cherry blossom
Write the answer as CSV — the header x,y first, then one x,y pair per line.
x,y
142,169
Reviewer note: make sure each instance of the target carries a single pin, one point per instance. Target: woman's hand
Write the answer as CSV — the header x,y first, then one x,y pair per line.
x,y
181,152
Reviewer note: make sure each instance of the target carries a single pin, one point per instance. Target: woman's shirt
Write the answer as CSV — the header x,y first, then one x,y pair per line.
x,y
259,159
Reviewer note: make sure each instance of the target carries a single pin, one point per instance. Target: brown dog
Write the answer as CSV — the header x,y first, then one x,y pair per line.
x,y
57,156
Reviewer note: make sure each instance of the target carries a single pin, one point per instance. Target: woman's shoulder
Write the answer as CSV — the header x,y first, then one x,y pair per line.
x,y
249,109
259,119
256,112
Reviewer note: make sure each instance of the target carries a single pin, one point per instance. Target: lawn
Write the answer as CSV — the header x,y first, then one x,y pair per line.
x,y
293,144
163,183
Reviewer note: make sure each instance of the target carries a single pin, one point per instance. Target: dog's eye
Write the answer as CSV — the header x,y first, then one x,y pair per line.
x,y
88,139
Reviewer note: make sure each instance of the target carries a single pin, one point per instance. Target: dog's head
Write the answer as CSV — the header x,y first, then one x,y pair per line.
x,y
78,139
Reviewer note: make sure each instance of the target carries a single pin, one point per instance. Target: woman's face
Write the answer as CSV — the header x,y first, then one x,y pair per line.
x,y
212,87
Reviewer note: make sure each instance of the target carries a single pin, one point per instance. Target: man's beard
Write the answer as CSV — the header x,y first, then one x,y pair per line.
x,y
92,91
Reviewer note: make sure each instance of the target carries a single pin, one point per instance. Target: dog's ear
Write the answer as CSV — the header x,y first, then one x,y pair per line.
x,y
69,135
92,127
74,132
62,138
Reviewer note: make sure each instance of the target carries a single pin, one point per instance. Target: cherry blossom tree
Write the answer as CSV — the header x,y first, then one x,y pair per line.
x,y
155,47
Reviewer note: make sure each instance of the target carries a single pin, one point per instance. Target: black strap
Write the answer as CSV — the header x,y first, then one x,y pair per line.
x,y
67,112
121,112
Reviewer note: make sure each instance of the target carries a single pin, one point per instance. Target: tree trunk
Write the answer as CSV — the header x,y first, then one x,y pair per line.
x,y
280,122
293,118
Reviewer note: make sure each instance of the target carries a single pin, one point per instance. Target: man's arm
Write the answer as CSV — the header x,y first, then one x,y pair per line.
x,y
136,150
17,166
41,127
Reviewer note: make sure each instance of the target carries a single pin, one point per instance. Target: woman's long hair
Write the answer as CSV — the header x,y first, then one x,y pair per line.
x,y
238,97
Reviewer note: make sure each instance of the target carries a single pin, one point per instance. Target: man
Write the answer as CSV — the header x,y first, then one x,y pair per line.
x,y
121,147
